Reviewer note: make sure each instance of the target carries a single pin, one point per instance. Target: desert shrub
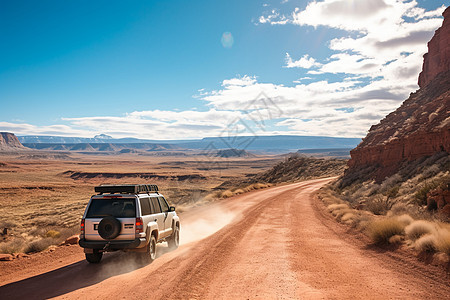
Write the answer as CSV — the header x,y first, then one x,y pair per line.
x,y
53,234
393,192
333,207
341,212
39,245
426,243
421,195
443,241
348,216
226,194
390,182
379,205
239,191
382,230
431,171
15,245
405,219
419,228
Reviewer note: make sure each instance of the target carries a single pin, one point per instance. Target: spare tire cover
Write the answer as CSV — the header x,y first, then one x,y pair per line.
x,y
109,228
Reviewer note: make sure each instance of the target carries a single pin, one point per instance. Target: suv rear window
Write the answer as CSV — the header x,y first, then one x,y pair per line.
x,y
118,208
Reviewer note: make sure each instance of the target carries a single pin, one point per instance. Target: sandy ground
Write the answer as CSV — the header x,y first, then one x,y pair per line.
x,y
276,243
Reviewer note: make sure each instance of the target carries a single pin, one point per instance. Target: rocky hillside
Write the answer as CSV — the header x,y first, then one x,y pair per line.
x,y
297,167
8,141
420,127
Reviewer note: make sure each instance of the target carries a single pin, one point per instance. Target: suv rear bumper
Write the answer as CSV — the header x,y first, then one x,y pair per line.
x,y
112,245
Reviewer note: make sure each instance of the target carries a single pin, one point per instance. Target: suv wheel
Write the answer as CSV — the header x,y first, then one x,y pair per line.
x,y
94,258
174,240
151,249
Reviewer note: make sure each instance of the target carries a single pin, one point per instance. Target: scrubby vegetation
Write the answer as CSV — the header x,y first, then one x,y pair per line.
x,y
236,191
35,239
381,231
406,192
420,231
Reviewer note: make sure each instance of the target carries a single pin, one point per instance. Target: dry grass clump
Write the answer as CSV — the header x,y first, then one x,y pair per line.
x,y
419,228
39,245
13,246
382,230
336,206
239,191
53,234
230,193
426,243
405,219
226,194
443,241
256,186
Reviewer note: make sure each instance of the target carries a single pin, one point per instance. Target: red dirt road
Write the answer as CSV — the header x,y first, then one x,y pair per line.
x,y
275,243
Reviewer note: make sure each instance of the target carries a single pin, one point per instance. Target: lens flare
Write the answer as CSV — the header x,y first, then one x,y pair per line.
x,y
227,40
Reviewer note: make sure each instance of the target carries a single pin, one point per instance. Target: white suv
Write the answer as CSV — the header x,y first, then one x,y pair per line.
x,y
129,218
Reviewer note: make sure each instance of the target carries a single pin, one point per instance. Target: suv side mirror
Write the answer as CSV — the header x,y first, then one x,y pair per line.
x,y
172,208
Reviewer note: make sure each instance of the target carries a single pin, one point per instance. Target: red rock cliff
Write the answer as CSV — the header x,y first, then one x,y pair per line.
x,y
8,141
420,126
437,59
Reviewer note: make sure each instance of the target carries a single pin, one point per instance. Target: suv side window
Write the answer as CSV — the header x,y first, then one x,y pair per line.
x,y
145,206
164,205
155,205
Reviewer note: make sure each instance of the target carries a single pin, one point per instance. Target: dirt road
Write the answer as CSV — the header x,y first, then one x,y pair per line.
x,y
269,244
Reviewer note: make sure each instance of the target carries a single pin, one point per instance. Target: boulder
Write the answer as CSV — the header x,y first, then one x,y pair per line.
x,y
73,240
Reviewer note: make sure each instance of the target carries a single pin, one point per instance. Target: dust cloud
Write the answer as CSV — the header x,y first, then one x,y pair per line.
x,y
207,223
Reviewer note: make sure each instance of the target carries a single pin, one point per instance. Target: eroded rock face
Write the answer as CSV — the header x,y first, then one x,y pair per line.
x,y
9,141
420,127
437,59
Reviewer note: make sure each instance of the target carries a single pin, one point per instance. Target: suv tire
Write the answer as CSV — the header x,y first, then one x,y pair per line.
x,y
109,228
94,258
174,240
150,254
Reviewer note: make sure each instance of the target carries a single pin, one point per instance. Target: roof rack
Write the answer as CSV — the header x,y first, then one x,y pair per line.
x,y
126,188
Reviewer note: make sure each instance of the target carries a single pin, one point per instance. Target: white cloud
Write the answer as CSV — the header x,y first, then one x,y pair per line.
x,y
274,18
304,62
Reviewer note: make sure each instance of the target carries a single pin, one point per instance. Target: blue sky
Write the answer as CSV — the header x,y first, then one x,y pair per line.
x,y
160,69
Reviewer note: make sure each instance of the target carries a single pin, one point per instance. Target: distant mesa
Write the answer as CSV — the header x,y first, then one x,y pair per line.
x,y
420,127
9,141
102,147
103,137
233,153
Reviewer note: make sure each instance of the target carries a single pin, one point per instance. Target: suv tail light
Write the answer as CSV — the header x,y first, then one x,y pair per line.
x,y
139,225
82,228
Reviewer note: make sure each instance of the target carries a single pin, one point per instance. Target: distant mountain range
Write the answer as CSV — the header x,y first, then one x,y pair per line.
x,y
105,147
279,143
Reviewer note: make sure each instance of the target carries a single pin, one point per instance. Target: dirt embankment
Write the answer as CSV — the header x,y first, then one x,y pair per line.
x,y
269,244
